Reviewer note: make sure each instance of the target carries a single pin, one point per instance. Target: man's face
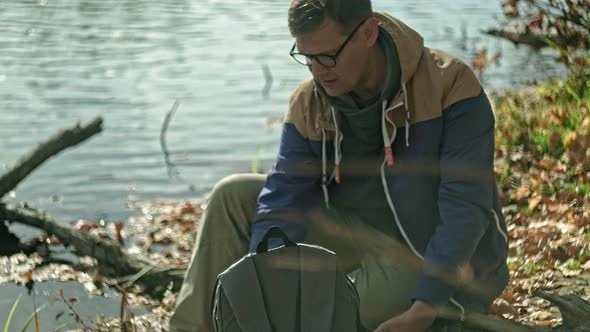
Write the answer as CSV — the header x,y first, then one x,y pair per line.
x,y
350,63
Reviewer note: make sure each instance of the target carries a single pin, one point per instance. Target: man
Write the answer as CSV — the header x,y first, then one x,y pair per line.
x,y
386,158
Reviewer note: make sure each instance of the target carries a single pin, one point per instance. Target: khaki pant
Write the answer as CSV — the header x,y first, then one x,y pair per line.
x,y
384,272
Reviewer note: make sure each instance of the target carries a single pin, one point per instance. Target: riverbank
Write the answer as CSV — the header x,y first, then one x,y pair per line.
x,y
542,167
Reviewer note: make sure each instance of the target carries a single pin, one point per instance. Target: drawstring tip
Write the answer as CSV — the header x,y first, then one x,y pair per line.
x,y
337,173
389,156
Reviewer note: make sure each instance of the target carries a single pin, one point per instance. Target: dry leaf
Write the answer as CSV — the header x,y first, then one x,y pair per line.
x,y
187,208
546,323
502,307
534,202
522,193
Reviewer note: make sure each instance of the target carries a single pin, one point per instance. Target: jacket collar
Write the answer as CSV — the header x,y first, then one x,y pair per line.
x,y
409,44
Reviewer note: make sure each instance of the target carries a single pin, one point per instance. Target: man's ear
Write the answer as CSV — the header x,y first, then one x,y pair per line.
x,y
371,31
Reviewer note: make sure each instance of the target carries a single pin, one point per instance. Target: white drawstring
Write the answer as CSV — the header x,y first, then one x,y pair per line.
x,y
407,114
386,141
337,141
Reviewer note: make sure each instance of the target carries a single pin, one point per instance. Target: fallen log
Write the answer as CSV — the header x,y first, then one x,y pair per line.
x,y
112,260
575,312
8,241
535,40
57,143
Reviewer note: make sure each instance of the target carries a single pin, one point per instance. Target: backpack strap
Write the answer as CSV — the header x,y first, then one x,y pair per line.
x,y
243,292
317,268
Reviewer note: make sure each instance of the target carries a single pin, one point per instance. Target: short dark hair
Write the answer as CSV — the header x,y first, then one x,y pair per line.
x,y
307,15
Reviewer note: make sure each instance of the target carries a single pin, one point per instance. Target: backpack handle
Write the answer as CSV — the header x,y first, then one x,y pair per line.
x,y
273,233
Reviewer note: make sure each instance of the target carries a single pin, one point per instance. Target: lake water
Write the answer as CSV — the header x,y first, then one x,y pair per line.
x,y
53,311
64,61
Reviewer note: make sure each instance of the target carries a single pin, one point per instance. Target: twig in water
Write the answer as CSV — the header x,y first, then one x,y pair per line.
x,y
30,284
72,310
172,171
124,315
267,80
37,329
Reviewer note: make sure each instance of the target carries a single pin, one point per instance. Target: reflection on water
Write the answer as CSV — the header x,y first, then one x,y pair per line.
x,y
63,60
54,313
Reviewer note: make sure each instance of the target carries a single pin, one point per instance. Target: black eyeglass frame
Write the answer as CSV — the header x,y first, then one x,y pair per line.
x,y
310,57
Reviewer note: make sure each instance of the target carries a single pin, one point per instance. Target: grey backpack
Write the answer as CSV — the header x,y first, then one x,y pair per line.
x,y
292,288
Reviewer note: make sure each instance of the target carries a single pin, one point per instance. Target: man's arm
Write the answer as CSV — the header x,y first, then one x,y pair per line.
x,y
465,198
465,203
291,189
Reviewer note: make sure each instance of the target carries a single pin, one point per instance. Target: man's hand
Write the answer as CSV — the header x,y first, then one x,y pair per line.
x,y
417,319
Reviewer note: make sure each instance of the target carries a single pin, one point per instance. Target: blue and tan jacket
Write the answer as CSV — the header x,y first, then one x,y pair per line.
x,y
439,143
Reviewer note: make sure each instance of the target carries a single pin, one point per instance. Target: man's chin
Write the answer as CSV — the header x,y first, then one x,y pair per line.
x,y
334,92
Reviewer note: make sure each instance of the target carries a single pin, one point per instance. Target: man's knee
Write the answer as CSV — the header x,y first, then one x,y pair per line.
x,y
241,187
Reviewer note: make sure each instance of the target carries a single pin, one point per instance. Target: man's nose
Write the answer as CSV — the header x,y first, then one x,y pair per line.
x,y
317,68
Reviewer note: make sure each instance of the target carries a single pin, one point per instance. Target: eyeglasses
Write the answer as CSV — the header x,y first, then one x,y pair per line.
x,y
325,60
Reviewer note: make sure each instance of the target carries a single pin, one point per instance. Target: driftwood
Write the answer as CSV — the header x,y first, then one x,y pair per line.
x,y
9,243
112,260
574,310
109,255
8,181
60,141
535,40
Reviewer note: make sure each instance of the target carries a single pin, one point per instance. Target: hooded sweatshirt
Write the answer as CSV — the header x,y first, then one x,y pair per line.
x,y
360,192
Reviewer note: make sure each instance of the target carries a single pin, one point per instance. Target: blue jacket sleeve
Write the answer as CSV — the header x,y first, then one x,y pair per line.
x,y
291,190
464,200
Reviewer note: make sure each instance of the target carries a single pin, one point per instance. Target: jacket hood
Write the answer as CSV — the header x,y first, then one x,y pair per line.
x,y
409,43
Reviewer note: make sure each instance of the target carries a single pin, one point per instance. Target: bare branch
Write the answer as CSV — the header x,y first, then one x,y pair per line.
x,y
112,260
59,142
